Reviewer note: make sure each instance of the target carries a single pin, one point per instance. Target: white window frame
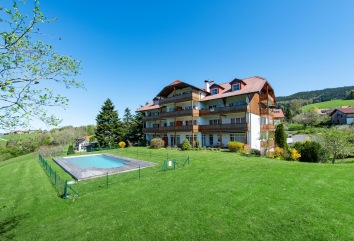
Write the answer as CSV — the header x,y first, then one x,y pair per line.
x,y
236,87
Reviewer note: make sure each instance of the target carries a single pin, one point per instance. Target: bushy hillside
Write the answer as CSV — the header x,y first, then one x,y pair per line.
x,y
319,95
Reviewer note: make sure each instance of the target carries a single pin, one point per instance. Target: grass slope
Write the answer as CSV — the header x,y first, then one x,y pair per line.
x,y
220,196
329,104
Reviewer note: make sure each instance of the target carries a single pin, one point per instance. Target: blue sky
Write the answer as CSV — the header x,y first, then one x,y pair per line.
x,y
131,49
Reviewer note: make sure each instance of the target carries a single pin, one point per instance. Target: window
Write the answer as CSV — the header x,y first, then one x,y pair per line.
x,y
189,138
211,140
214,122
238,120
214,91
239,137
236,87
203,140
172,140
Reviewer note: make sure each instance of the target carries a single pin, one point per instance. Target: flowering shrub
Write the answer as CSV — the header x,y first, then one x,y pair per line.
x,y
278,152
294,154
157,143
235,146
121,144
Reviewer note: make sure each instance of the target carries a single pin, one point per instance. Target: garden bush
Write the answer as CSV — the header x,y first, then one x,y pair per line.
x,y
255,152
157,143
186,145
121,144
235,146
311,151
197,144
294,154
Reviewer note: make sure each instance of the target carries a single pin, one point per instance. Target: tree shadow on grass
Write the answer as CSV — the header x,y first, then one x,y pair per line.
x,y
9,224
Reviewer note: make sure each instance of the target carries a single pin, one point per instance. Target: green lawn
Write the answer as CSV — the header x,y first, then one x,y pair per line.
x,y
329,104
219,196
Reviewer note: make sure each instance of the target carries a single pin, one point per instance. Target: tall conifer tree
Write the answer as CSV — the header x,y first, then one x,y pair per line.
x,y
109,127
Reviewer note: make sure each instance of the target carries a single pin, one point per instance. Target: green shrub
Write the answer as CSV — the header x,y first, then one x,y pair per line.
x,y
70,150
157,143
197,144
186,145
311,151
255,152
235,146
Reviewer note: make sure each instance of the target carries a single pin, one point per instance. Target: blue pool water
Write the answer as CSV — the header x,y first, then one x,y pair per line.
x,y
98,161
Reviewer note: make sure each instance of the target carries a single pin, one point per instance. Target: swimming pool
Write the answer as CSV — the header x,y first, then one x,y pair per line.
x,y
98,161
91,166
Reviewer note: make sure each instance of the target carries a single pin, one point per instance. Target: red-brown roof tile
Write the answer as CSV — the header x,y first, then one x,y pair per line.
x,y
278,113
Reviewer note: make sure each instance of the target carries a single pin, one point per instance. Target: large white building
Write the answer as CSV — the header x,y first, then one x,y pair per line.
x,y
215,114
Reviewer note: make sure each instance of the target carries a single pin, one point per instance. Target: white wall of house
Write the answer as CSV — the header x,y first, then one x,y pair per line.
x,y
254,133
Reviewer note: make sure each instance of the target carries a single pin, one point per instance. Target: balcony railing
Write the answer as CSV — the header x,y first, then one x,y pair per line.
x,y
265,111
224,127
180,98
267,127
180,113
163,129
222,110
265,97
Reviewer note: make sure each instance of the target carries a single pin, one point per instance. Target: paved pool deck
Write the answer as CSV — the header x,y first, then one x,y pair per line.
x,y
80,174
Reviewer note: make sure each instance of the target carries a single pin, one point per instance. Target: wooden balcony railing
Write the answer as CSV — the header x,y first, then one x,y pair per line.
x,y
264,97
180,98
180,113
222,110
225,127
266,111
267,127
164,129
151,117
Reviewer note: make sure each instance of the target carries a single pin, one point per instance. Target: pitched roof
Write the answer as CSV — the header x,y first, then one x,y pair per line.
x,y
149,106
278,113
348,110
253,85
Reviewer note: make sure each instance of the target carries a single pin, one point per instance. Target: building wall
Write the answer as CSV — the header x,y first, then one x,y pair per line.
x,y
339,118
254,134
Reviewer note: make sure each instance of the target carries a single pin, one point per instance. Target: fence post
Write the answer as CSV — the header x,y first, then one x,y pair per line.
x,y
65,190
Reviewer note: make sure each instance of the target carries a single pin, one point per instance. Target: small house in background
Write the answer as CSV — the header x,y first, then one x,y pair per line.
x,y
81,143
342,116
278,116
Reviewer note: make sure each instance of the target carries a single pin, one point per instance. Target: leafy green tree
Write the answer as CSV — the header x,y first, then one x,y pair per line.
x,y
351,95
26,64
109,130
337,142
280,137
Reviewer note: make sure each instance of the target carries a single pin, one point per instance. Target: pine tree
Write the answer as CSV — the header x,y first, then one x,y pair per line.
x,y
288,115
127,124
109,127
136,129
280,137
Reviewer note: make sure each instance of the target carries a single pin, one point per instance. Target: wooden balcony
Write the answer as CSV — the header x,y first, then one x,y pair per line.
x,y
224,110
267,127
224,127
180,98
180,113
165,129
151,118
264,98
267,111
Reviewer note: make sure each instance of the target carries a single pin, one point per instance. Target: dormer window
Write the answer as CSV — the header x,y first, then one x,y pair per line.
x,y
156,102
214,91
236,87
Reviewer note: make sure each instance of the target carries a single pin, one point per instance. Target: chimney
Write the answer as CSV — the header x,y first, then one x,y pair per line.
x,y
207,85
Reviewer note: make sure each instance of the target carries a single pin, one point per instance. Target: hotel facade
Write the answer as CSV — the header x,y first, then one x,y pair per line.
x,y
239,110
